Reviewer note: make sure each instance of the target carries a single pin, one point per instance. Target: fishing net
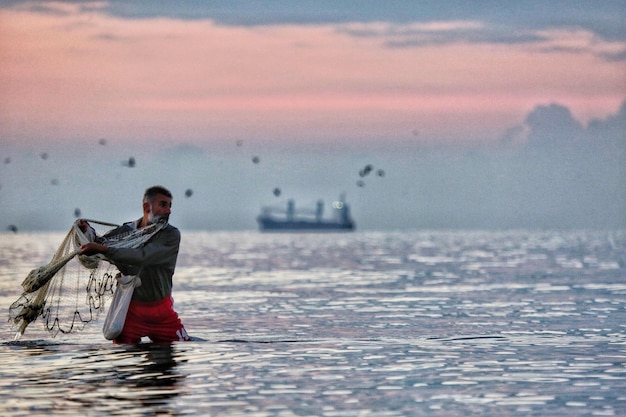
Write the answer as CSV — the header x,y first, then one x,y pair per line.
x,y
71,290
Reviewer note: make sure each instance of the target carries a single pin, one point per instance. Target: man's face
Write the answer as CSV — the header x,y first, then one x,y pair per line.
x,y
159,209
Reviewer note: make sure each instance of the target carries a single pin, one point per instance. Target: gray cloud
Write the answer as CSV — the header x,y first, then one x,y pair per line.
x,y
570,175
397,23
612,130
553,126
510,22
414,34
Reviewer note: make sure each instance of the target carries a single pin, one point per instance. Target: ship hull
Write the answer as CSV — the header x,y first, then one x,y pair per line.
x,y
273,225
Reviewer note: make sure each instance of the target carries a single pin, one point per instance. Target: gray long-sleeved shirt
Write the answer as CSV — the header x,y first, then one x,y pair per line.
x,y
155,262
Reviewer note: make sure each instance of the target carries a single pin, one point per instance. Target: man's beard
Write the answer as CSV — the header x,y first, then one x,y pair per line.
x,y
161,218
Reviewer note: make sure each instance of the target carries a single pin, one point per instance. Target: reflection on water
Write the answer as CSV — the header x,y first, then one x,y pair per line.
x,y
384,324
501,375
84,380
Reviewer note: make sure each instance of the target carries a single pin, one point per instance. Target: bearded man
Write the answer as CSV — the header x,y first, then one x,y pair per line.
x,y
151,312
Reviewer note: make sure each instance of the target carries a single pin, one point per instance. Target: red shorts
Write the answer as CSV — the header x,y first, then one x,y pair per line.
x,y
156,320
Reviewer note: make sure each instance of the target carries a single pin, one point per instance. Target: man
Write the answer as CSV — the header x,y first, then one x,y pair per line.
x,y
151,313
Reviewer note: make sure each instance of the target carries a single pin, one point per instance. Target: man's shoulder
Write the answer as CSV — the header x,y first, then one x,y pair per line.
x,y
172,230
171,227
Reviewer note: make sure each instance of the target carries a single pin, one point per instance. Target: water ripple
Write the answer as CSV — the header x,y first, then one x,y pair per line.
x,y
387,324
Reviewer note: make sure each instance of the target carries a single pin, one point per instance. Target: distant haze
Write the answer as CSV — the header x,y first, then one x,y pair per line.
x,y
563,175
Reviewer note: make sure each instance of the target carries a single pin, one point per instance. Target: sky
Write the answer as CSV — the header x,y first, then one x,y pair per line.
x,y
474,114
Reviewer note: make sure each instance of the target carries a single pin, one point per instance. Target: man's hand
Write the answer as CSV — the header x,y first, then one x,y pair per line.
x,y
92,248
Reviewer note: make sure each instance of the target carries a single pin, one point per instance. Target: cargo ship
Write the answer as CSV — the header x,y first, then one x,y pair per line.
x,y
290,219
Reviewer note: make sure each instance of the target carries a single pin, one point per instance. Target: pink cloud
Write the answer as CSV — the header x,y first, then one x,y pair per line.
x,y
78,74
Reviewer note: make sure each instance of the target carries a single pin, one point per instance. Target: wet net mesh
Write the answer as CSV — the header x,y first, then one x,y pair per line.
x,y
71,290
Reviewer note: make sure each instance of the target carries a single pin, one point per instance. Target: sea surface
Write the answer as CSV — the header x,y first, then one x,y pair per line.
x,y
514,323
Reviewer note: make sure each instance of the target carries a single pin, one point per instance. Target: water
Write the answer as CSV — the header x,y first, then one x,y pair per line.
x,y
361,324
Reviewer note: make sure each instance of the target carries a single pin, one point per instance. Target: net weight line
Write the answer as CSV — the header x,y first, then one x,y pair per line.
x,y
39,277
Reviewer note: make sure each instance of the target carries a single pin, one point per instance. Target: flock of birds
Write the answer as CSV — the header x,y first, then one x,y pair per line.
x,y
131,162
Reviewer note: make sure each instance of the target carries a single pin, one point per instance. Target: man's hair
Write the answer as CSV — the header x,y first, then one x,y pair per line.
x,y
152,192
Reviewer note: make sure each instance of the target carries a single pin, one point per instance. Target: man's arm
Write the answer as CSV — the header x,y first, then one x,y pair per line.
x,y
162,249
93,248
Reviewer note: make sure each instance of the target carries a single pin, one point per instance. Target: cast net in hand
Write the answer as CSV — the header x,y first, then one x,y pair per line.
x,y
71,290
